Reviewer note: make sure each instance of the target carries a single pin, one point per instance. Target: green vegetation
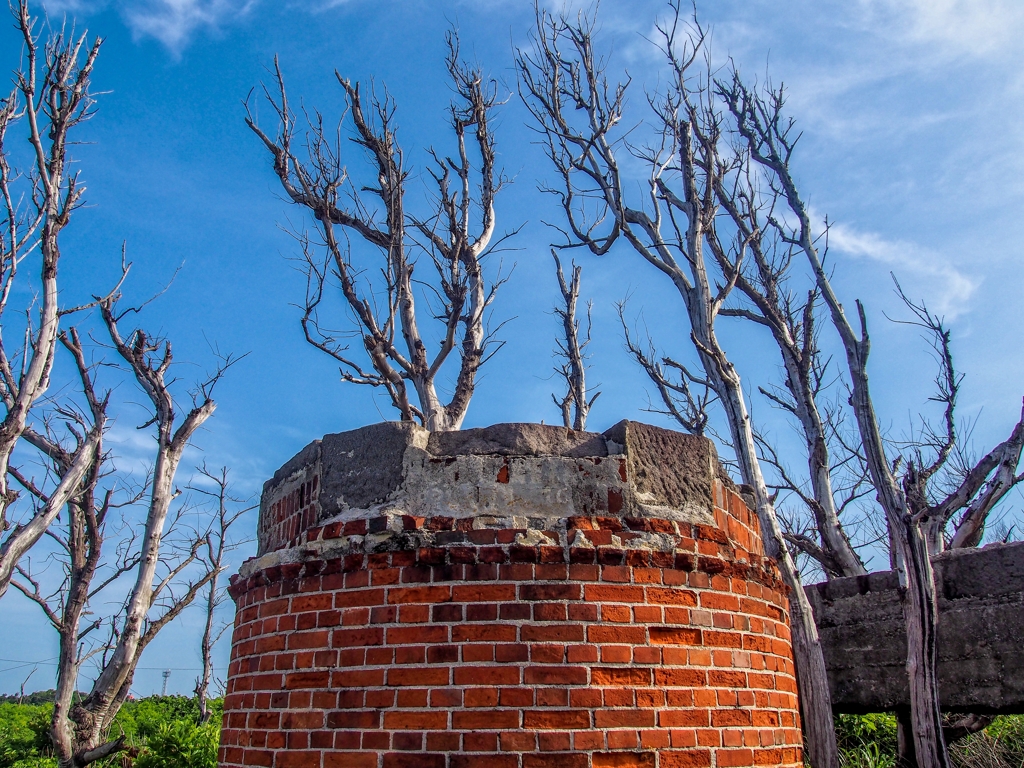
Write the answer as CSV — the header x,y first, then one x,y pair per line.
x,y
160,732
39,697
999,745
23,737
181,744
869,741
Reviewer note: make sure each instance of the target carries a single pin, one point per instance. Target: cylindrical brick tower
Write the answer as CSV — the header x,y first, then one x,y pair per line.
x,y
518,596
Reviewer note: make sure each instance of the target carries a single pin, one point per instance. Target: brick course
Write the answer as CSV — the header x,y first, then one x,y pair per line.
x,y
597,641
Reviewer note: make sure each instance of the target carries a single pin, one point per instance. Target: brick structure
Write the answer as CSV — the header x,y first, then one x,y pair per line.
x,y
515,597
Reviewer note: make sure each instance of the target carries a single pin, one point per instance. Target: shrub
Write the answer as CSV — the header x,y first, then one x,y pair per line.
x,y
867,741
24,735
139,719
161,730
181,744
1009,730
868,755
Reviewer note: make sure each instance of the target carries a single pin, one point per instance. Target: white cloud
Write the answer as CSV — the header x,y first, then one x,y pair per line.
x,y
949,290
972,27
173,22
60,7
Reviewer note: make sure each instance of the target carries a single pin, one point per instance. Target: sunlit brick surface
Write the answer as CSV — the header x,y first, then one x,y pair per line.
x,y
577,648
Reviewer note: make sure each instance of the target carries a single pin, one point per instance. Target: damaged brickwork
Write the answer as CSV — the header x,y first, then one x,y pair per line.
x,y
518,596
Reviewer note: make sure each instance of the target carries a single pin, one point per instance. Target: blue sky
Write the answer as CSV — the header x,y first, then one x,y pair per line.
x,y
913,145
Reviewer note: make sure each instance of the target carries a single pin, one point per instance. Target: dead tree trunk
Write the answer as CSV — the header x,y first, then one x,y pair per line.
x,y
905,501
217,545
771,148
79,729
916,522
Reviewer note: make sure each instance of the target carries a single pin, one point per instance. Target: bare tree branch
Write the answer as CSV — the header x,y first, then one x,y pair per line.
x,y
576,113
572,349
457,238
51,94
217,546
158,560
768,137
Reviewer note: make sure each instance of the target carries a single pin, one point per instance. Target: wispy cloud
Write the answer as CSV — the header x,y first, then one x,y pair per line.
x,y
317,6
971,27
949,289
60,7
173,22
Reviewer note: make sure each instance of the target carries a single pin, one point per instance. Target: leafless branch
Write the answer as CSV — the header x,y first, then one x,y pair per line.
x,y
572,349
217,546
456,238
674,227
51,97
687,407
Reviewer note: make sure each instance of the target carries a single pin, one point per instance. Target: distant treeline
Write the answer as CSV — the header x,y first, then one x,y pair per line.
x,y
39,697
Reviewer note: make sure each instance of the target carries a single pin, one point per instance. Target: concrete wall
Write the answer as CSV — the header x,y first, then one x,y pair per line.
x,y
981,634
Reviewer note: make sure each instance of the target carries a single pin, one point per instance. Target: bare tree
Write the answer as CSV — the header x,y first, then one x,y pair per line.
x,y
156,557
959,492
457,237
572,349
762,279
21,688
911,509
217,546
673,228
51,95
687,397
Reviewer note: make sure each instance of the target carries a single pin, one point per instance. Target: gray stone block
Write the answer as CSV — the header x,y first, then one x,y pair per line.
x,y
518,440
506,471
667,468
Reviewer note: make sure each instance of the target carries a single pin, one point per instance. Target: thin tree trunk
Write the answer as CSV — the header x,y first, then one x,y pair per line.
x,y
905,755
203,684
812,680
919,602
920,614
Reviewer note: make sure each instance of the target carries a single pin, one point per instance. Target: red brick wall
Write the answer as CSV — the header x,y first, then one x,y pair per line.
x,y
477,651
291,515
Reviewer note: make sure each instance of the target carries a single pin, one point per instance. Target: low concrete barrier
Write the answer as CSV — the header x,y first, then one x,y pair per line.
x,y
981,634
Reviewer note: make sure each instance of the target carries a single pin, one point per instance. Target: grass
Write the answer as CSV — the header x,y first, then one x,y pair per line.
x,y
869,741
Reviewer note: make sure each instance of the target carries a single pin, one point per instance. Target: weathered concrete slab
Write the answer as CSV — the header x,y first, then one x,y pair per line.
x,y
650,450
503,471
518,440
981,634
